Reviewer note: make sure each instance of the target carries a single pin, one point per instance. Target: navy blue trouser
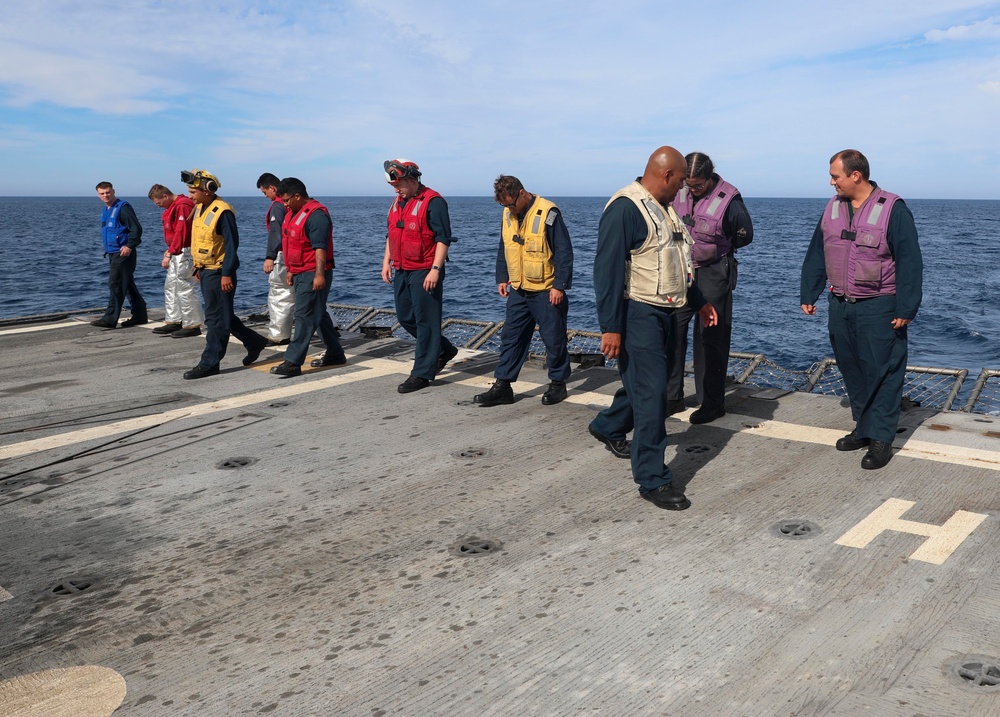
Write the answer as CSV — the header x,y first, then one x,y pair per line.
x,y
419,312
640,405
311,316
220,321
711,343
871,356
524,310
121,283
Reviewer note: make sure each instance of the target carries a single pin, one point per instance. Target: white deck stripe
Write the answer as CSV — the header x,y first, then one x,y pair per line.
x,y
40,327
956,455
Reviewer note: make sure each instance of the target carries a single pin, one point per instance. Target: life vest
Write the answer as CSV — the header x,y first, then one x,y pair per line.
x,y
528,254
176,224
703,218
658,272
859,263
270,213
300,256
411,240
114,234
208,247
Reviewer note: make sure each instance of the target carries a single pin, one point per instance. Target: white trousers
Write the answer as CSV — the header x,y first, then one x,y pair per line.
x,y
280,302
181,300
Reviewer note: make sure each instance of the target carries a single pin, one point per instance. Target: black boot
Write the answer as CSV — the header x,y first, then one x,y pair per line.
x,y
500,392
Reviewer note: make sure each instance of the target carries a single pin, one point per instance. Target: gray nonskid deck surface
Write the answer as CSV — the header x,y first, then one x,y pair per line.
x,y
324,579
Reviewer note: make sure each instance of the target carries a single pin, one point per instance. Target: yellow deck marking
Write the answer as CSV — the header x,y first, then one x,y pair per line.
x,y
942,539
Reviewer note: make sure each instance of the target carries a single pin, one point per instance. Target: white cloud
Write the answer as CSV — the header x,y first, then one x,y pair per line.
x,y
991,87
987,29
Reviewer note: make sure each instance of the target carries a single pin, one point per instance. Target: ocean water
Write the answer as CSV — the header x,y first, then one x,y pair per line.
x,y
52,261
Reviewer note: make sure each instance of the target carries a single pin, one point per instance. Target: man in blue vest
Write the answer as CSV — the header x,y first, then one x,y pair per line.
x,y
121,233
865,250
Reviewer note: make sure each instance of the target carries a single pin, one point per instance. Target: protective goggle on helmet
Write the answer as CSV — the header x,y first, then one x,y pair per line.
x,y
396,169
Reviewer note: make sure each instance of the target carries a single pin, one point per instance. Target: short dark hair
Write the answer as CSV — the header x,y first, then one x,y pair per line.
x,y
506,186
699,166
104,185
292,186
158,190
267,180
853,161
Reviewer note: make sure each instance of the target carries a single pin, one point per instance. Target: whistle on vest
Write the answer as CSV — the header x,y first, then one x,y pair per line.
x,y
848,235
400,225
518,239
688,219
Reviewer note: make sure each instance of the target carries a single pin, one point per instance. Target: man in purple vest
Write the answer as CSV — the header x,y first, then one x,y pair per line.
x,y
719,223
865,251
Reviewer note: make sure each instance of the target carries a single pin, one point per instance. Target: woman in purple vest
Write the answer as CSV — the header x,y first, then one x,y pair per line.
x,y
719,223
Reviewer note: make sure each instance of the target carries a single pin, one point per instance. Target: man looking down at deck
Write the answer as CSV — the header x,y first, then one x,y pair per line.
x,y
719,224
416,248
642,274
534,270
307,245
865,249
183,315
121,233
280,300
214,243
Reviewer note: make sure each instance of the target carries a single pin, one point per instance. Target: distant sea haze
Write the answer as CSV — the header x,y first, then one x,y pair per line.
x,y
53,262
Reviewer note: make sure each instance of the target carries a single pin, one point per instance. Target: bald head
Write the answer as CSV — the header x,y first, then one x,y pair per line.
x,y
664,174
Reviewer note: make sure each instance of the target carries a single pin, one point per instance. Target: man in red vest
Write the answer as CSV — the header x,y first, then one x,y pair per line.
x,y
416,248
183,314
307,246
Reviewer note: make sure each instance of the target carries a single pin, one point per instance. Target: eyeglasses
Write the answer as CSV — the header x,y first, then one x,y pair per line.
x,y
696,186
510,207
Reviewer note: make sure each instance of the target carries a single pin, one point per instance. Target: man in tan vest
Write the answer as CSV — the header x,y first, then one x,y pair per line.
x,y
642,274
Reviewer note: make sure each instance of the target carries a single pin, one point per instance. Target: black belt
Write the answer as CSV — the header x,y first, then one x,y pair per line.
x,y
853,300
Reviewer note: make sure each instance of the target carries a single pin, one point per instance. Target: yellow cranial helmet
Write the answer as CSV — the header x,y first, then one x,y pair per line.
x,y
200,179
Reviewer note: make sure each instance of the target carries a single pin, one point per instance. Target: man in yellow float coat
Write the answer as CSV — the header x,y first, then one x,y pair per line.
x,y
214,242
534,270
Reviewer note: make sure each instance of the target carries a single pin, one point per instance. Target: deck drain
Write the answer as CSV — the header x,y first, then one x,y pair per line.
x,y
979,672
234,463
72,587
279,404
696,449
796,529
476,547
472,453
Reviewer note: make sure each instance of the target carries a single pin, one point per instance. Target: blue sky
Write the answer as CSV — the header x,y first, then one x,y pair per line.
x,y
569,96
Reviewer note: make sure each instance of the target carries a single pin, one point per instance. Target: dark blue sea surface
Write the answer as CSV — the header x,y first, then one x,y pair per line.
x,y
52,261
